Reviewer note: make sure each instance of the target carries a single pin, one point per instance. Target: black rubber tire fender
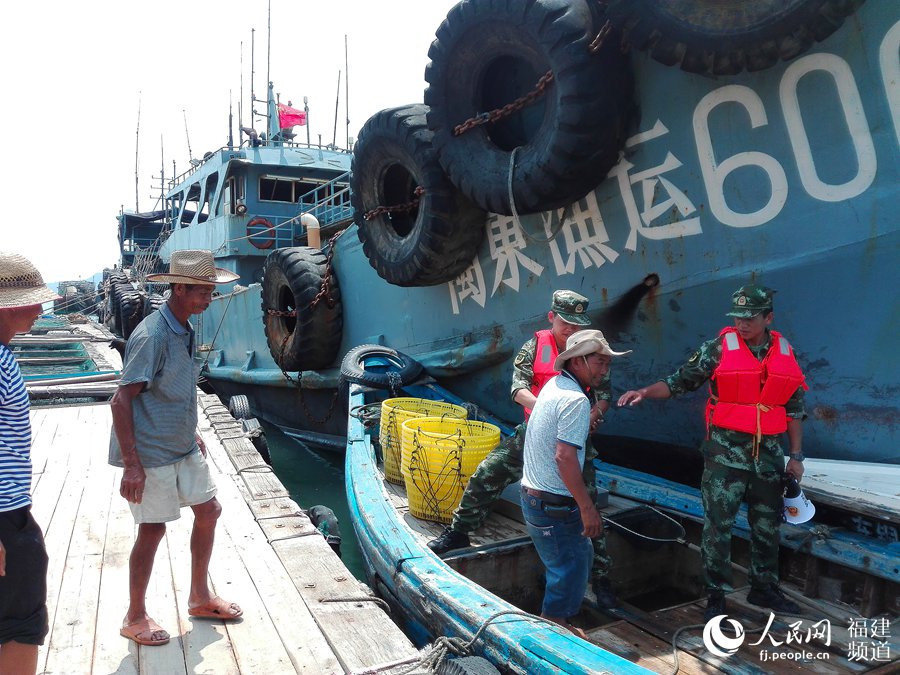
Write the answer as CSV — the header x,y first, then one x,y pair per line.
x,y
131,312
239,407
724,37
406,369
292,278
467,665
488,53
262,447
434,242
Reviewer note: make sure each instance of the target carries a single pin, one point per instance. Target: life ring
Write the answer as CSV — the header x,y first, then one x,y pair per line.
x,y
253,231
489,54
432,242
724,38
301,338
402,369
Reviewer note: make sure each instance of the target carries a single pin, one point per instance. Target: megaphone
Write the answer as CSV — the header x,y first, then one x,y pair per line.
x,y
797,508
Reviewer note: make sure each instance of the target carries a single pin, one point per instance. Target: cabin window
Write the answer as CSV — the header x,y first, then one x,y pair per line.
x,y
290,190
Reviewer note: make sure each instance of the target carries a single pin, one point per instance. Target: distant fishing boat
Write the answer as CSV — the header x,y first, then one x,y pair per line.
x,y
786,175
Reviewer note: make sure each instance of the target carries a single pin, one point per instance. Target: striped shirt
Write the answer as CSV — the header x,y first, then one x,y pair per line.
x,y
15,435
159,354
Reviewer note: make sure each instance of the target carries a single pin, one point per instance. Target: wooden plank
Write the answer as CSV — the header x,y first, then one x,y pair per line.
x,y
871,489
271,581
73,628
646,650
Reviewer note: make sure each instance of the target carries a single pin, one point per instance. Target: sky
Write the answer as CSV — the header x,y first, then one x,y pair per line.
x,y
74,75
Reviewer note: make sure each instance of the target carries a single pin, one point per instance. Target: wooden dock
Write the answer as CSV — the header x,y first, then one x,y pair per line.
x,y
304,612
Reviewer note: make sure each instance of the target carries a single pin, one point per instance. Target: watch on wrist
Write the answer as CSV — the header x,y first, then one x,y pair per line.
x,y
797,456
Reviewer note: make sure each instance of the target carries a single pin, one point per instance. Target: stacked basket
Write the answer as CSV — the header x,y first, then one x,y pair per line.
x,y
396,411
438,456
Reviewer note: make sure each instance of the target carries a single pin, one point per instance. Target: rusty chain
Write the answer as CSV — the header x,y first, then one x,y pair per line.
x,y
499,113
408,206
597,42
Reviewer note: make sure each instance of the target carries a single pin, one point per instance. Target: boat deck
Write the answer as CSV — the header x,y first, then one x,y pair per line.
x,y
303,610
645,637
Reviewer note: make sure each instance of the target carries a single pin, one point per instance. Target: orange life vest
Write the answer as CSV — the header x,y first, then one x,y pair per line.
x,y
545,354
752,393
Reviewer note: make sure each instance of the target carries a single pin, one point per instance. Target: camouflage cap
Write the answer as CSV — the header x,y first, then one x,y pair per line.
x,y
750,300
571,307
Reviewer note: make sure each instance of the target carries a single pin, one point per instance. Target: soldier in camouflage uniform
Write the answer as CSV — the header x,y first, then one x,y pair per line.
x,y
503,465
739,465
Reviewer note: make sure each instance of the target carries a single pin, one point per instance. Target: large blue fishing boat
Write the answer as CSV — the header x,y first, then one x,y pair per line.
x,y
651,155
786,175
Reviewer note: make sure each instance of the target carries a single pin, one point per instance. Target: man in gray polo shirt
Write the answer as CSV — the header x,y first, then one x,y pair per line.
x,y
155,440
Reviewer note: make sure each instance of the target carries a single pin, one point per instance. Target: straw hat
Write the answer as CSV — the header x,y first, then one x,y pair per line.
x,y
21,284
194,267
582,343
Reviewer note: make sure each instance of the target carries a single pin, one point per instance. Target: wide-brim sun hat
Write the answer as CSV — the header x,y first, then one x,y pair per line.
x,y
21,285
585,342
193,267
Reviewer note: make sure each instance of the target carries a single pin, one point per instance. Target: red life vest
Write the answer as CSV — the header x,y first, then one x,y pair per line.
x,y
752,393
545,354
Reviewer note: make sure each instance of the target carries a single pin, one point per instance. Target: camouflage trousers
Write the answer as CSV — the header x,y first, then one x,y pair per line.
x,y
723,489
503,467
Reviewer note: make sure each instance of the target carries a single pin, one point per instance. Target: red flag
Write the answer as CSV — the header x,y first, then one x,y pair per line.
x,y
289,117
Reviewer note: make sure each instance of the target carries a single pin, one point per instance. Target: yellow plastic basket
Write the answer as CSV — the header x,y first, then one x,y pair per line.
x,y
436,445
394,412
434,496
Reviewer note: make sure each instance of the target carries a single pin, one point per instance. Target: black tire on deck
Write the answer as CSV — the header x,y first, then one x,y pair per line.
x,y
432,243
292,278
131,312
405,369
488,53
724,37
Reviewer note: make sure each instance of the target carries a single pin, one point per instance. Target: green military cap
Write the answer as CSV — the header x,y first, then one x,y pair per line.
x,y
571,307
750,300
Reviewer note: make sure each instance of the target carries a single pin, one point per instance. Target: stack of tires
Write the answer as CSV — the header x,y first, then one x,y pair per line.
x,y
445,169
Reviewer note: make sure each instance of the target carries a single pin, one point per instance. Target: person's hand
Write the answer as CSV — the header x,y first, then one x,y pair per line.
x,y
593,523
2,560
596,416
630,397
132,485
201,444
795,468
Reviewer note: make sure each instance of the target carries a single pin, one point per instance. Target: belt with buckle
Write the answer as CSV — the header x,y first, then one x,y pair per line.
x,y
550,497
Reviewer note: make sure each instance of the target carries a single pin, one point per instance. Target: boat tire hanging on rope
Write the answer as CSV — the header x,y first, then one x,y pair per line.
x,y
300,337
467,665
436,237
239,407
717,37
486,55
405,370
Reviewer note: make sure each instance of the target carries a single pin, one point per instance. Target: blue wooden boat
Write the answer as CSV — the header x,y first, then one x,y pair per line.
x,y
653,526
779,168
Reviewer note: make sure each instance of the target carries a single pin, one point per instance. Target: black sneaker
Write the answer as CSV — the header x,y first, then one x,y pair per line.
x,y
606,596
773,598
449,540
715,606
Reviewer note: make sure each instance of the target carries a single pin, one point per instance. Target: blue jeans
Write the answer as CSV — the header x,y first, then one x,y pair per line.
x,y
565,552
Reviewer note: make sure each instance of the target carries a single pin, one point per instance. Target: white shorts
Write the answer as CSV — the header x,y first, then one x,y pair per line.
x,y
169,488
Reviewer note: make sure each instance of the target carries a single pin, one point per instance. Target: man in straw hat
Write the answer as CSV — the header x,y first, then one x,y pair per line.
x,y
559,512
532,368
756,394
155,440
23,557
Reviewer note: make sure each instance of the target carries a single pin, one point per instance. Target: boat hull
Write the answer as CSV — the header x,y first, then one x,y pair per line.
x,y
787,177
